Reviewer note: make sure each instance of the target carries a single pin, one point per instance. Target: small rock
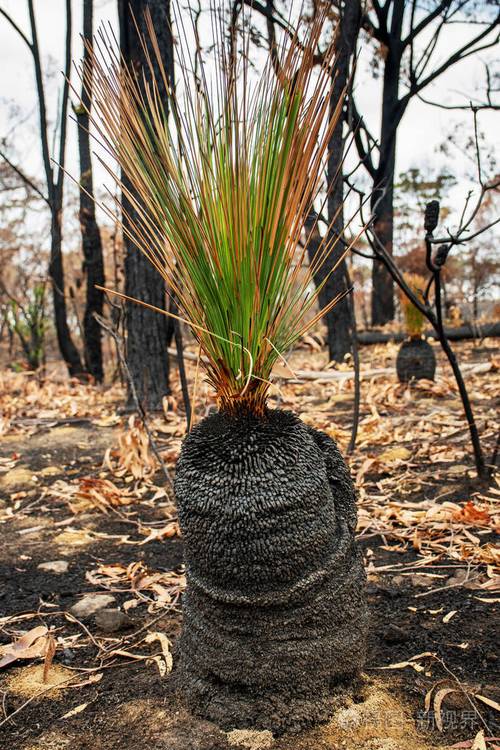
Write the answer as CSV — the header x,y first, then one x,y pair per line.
x,y
395,634
491,657
90,604
250,738
55,566
112,620
421,581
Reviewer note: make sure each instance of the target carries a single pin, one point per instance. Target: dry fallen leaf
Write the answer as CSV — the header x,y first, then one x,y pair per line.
x,y
488,701
403,664
75,711
31,645
90,680
470,513
479,741
166,586
165,647
88,493
133,457
438,700
394,454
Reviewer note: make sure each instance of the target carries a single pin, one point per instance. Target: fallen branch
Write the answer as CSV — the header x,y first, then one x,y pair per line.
x,y
460,333
301,375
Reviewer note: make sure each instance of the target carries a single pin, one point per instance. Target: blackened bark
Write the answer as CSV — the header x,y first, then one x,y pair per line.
x,y
67,348
416,361
147,355
338,320
275,607
91,237
382,200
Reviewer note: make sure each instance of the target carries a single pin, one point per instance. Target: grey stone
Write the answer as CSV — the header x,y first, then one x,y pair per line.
x,y
421,581
90,604
112,620
56,566
250,738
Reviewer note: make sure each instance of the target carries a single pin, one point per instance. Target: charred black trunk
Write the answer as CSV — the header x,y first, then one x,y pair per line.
x,y
415,361
383,309
382,199
147,357
339,323
67,348
91,237
275,613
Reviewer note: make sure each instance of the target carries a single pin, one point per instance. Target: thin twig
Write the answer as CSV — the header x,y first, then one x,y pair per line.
x,y
357,369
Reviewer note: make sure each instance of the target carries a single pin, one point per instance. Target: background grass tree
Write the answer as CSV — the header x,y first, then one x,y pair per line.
x,y
416,359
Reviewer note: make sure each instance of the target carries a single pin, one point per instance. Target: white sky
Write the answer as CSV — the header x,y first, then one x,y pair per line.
x,y
422,130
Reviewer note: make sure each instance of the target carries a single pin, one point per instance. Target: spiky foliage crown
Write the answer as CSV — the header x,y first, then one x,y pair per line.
x,y
221,188
413,318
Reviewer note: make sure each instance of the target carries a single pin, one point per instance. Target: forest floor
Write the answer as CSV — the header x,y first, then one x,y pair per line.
x,y
88,519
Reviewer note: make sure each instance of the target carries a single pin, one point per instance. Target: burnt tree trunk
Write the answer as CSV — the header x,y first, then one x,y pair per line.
x,y
91,237
338,320
275,607
67,348
147,355
382,200
383,308
415,361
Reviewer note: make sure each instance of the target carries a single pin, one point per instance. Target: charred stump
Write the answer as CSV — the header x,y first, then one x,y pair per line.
x,y
415,361
274,613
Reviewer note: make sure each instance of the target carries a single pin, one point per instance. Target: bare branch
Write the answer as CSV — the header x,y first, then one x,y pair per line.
x,y
415,30
65,100
270,14
465,51
42,107
24,177
477,107
16,28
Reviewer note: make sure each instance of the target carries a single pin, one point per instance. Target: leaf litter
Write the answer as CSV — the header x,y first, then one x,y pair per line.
x,y
418,500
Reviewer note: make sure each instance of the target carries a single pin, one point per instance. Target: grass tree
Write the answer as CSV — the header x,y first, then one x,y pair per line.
x,y
274,613
416,359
